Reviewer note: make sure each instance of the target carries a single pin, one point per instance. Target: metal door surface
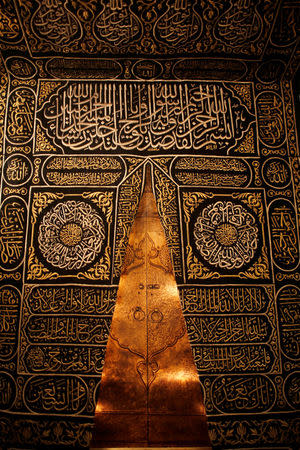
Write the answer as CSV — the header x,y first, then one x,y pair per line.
x,y
150,394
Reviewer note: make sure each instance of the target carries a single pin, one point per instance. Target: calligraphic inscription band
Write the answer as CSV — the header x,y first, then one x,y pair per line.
x,y
137,117
291,389
71,299
228,300
11,32
289,324
64,330
128,200
83,171
9,306
243,393
167,205
285,243
54,23
226,328
61,359
211,172
21,107
124,28
233,358
231,329
209,69
7,390
84,68
12,232
270,119
55,395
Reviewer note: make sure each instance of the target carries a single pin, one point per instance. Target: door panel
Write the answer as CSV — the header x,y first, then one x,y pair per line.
x,y
150,393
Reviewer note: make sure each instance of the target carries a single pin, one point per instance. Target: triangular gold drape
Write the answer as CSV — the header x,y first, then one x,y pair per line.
x,y
150,395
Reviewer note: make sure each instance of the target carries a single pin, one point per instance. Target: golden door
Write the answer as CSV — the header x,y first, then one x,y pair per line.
x,y
150,395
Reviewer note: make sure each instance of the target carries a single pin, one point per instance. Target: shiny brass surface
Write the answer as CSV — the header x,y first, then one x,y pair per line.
x,y
150,393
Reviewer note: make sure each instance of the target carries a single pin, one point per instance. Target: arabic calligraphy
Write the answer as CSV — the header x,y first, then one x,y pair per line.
x,y
206,69
71,359
76,227
232,316
166,197
7,390
179,25
83,68
83,170
287,25
67,330
270,118
198,266
17,170
129,195
285,245
10,29
210,179
289,324
71,235
243,394
71,300
54,395
240,24
20,67
53,22
147,69
270,71
12,232
217,164
9,314
225,329
3,105
233,358
211,172
292,390
117,24
139,117
276,173
291,126
21,106
226,235
223,300
151,28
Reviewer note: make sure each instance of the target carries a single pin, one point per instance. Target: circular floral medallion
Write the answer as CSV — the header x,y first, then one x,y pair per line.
x,y
226,235
71,235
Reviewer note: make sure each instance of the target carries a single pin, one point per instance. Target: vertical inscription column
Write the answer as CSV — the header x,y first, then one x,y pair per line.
x,y
19,85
